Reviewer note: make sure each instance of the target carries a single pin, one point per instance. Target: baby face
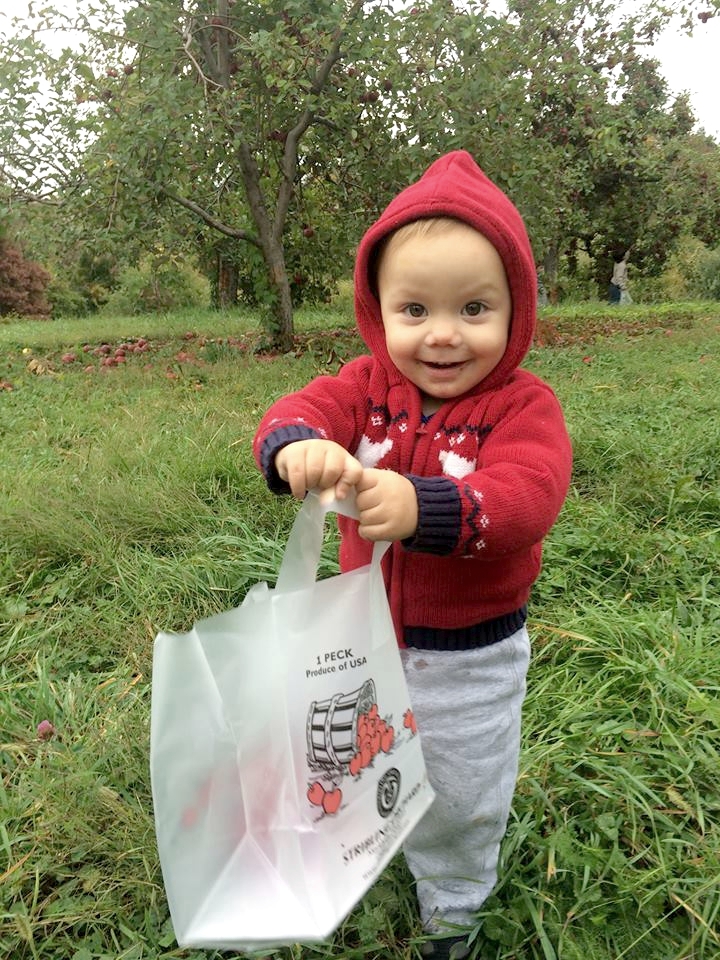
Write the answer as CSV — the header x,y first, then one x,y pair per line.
x,y
446,309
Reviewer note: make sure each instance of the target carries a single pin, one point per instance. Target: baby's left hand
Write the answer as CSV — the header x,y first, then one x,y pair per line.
x,y
387,504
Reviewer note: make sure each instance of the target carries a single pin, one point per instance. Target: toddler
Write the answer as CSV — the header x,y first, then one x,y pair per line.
x,y
462,460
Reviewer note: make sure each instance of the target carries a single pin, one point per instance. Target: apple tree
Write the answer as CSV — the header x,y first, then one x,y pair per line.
x,y
266,135
597,117
229,114
563,106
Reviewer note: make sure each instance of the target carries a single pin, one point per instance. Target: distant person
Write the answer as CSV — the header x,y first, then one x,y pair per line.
x,y
618,292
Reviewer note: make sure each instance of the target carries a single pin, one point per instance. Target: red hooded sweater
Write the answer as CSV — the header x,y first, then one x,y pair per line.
x,y
491,468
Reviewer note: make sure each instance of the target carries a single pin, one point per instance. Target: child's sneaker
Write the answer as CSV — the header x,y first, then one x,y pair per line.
x,y
449,948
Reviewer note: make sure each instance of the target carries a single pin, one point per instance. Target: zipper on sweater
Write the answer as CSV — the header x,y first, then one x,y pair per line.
x,y
425,424
421,451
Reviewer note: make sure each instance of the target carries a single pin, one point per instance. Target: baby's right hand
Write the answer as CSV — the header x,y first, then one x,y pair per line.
x,y
306,464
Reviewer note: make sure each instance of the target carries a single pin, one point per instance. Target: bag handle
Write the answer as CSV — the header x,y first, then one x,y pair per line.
x,y
301,559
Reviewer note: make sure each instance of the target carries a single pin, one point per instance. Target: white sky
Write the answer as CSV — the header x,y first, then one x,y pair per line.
x,y
691,63
688,63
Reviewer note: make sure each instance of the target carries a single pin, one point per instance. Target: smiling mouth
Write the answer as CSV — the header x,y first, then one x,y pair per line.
x,y
443,366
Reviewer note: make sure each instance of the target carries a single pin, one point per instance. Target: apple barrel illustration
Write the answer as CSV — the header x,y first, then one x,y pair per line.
x,y
332,726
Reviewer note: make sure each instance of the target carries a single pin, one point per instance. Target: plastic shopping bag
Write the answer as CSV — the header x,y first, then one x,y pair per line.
x,y
285,763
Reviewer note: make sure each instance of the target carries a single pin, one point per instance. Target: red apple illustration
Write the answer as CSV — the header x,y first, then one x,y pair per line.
x,y
316,794
331,801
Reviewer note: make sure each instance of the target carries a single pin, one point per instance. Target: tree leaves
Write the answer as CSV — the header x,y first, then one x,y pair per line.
x,y
258,119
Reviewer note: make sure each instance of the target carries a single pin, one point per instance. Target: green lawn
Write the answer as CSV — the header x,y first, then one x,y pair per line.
x,y
129,502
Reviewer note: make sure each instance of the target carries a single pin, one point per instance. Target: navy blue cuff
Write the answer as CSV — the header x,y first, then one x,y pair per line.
x,y
439,516
481,634
273,444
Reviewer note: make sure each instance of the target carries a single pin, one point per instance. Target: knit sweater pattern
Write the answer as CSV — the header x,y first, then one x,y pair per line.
x,y
490,468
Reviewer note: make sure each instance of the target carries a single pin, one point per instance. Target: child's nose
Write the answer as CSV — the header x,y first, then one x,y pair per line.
x,y
443,332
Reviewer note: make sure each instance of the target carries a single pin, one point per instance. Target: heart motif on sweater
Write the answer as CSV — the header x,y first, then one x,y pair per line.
x,y
454,465
371,452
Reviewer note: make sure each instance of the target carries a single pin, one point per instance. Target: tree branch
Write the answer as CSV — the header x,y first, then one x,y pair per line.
x,y
288,167
211,221
253,192
202,41
222,39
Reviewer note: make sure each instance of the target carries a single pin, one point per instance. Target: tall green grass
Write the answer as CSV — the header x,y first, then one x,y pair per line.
x,y
129,503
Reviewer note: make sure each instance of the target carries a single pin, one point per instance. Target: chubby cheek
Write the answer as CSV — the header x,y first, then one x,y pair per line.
x,y
497,346
401,348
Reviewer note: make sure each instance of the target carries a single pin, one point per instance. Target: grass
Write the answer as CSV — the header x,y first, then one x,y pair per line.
x,y
129,503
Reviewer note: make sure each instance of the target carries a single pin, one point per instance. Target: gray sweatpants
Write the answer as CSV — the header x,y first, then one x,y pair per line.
x,y
467,705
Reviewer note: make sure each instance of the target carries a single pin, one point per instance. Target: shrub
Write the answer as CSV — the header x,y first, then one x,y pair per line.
x,y
692,272
23,284
709,279
65,299
157,284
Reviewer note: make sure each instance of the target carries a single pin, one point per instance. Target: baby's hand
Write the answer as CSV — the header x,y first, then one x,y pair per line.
x,y
306,464
387,504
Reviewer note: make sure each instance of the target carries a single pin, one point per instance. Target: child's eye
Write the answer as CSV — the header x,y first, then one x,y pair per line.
x,y
474,308
415,310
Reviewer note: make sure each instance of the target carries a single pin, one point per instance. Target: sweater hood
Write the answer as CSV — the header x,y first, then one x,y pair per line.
x,y
455,186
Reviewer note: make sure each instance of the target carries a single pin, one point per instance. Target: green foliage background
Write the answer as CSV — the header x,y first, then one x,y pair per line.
x,y
258,140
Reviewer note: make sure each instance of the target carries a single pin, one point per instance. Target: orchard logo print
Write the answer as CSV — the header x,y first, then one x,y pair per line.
x,y
388,791
345,735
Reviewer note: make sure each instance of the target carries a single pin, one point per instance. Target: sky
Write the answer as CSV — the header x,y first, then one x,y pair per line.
x,y
691,63
688,63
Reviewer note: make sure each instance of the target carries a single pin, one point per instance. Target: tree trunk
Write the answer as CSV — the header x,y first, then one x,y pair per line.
x,y
280,320
226,283
550,265
232,290
572,259
280,316
602,272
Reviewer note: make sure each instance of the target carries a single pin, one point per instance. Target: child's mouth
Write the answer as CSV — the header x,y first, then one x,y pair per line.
x,y
443,366
439,372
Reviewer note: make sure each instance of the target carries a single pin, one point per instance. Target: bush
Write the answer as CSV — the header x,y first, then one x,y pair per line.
x,y
158,284
23,284
692,272
66,300
709,279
